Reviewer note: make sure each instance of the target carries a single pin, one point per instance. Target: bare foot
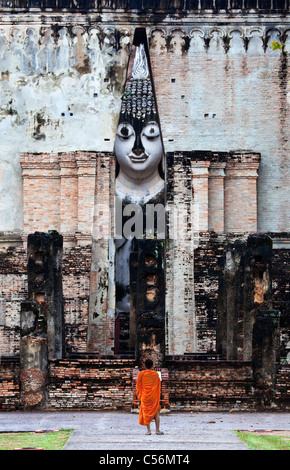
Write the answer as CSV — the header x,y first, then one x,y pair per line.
x,y
160,433
148,434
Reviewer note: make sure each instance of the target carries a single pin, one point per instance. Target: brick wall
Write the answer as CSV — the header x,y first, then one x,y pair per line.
x,y
281,295
202,385
206,274
240,193
224,90
59,194
91,384
41,183
108,384
224,188
282,386
76,291
71,83
13,290
194,194
9,384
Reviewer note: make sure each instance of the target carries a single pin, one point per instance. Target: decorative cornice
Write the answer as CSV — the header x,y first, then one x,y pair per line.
x,y
172,7
193,35
138,18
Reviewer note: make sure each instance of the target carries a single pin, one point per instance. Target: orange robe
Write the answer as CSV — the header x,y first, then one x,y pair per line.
x,y
148,392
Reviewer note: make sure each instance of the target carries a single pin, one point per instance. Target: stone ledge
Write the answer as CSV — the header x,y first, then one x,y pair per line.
x,y
151,6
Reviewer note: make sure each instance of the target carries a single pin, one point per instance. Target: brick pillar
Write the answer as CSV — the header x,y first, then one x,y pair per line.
x,y
241,174
101,327
41,192
33,354
44,276
230,301
180,301
266,348
257,284
216,196
200,175
86,174
68,198
244,288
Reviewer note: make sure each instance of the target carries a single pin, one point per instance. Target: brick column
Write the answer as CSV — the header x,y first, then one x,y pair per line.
x,y
216,196
180,302
245,286
68,198
266,346
86,173
241,192
200,175
41,192
33,355
44,278
101,327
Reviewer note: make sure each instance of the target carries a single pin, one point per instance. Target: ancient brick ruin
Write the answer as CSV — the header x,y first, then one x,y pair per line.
x,y
196,93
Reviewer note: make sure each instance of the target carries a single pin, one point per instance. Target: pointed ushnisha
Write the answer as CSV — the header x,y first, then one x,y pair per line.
x,y
140,69
138,99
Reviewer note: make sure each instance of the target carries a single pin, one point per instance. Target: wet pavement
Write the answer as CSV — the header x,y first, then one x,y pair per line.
x,y
105,430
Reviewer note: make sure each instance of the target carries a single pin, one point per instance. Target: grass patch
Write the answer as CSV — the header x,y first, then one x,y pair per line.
x,y
256,441
54,440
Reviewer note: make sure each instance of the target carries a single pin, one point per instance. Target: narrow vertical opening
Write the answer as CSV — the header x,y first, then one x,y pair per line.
x,y
139,181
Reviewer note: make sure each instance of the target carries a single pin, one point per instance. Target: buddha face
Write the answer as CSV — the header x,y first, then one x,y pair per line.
x,y
138,149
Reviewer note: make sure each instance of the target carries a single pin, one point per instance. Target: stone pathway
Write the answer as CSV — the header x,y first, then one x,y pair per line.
x,y
98,430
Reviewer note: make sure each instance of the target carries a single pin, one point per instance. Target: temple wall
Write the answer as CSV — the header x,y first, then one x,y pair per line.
x,y
92,384
218,88
223,103
61,90
76,292
222,88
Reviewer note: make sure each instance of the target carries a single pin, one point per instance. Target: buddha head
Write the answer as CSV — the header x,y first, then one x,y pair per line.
x,y
138,144
138,148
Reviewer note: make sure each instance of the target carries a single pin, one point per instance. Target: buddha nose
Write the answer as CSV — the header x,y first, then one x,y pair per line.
x,y
138,148
137,152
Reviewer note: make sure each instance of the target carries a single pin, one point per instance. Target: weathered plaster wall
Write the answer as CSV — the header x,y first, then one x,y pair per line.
x,y
218,88
60,91
222,88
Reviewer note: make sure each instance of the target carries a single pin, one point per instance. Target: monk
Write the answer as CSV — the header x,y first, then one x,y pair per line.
x,y
148,392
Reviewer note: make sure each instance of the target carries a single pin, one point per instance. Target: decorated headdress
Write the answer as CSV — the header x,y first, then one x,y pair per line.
x,y
138,99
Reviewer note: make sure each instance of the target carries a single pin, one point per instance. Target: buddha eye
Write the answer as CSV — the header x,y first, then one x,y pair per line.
x,y
151,131
125,131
